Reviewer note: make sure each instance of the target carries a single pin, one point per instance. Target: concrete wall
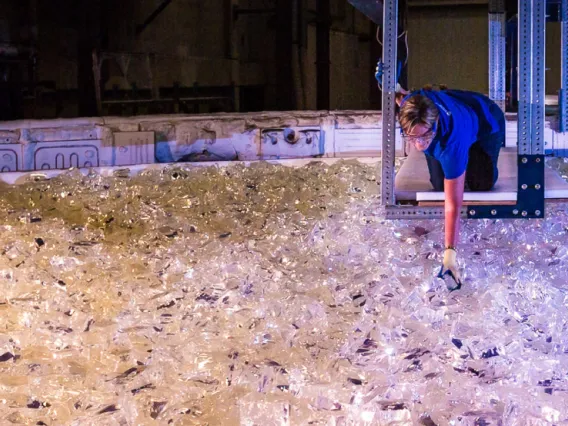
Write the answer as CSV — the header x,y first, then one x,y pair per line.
x,y
553,45
449,45
29,145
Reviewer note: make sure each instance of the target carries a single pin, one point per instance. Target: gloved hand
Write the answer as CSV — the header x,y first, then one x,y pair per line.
x,y
379,71
450,268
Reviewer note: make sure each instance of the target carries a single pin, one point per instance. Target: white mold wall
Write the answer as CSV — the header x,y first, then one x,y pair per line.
x,y
30,145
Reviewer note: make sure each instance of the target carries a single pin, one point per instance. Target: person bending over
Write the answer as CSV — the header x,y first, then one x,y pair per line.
x,y
460,133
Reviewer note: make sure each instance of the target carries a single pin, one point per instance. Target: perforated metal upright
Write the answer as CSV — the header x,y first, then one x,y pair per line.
x,y
497,38
563,95
390,23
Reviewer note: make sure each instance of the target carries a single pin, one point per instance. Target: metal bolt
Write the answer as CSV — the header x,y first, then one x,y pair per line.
x,y
472,212
524,213
515,212
538,160
524,160
493,212
537,186
524,186
537,212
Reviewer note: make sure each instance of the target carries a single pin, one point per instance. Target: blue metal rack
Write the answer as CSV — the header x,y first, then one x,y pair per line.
x,y
531,60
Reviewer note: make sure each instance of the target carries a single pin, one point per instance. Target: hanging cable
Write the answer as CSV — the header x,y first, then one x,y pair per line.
x,y
400,66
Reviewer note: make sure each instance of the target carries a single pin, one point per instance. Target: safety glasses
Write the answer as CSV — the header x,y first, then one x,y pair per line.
x,y
423,139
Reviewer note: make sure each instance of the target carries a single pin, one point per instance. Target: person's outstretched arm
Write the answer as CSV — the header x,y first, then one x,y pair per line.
x,y
453,191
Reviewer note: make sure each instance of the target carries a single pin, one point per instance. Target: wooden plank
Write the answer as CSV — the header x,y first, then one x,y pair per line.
x,y
491,197
412,182
469,203
489,203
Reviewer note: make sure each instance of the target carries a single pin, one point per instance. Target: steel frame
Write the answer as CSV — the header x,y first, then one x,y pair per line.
x,y
530,198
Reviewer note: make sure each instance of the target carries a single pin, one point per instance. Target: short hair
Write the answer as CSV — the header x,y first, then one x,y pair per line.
x,y
415,110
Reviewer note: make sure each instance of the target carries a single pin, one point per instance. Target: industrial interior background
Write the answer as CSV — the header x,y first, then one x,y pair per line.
x,y
191,56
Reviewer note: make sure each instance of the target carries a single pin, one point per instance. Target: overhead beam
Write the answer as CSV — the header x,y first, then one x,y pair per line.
x,y
154,15
372,9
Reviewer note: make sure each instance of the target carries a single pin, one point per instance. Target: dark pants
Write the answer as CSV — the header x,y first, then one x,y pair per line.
x,y
481,173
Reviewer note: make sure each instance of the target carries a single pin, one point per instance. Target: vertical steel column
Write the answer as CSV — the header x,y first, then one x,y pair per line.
x,y
497,36
538,45
390,24
563,95
531,76
530,184
524,76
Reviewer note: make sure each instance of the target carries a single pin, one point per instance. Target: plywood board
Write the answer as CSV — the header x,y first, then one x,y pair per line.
x,y
412,182
468,203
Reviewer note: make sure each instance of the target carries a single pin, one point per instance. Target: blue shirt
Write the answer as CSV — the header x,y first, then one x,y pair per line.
x,y
464,118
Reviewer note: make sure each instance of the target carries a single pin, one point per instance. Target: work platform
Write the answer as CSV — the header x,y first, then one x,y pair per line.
x,y
412,182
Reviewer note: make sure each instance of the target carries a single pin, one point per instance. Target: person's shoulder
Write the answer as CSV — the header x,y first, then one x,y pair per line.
x,y
467,94
462,93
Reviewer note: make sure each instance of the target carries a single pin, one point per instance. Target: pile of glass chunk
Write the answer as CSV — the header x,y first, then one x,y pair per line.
x,y
271,295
